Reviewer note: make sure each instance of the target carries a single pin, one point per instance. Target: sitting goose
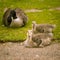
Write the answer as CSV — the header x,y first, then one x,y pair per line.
x,y
14,18
42,28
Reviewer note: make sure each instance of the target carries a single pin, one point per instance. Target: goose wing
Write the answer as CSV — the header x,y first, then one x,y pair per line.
x,y
5,16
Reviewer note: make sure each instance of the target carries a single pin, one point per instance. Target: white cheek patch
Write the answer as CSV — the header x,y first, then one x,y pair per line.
x,y
16,22
18,19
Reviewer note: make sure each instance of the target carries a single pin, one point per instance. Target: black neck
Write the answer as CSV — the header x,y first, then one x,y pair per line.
x,y
13,14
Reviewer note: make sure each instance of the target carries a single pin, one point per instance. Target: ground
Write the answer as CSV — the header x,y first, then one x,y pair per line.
x,y
14,51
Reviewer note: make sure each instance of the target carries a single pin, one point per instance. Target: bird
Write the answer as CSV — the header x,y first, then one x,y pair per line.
x,y
42,28
14,18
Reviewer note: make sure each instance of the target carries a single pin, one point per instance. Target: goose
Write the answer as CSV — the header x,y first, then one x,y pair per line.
x,y
42,28
14,18
42,39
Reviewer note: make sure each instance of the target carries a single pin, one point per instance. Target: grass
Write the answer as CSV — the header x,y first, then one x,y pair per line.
x,y
46,16
28,4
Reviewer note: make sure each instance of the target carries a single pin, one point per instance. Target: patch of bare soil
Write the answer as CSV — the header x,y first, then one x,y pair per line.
x,y
14,51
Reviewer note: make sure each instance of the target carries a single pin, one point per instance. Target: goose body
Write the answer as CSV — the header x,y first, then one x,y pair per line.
x,y
14,18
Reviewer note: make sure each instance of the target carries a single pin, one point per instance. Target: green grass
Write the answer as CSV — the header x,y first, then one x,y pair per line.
x,y
29,4
46,16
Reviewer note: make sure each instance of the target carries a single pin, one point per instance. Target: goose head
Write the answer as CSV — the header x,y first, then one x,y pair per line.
x,y
11,17
15,20
13,14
